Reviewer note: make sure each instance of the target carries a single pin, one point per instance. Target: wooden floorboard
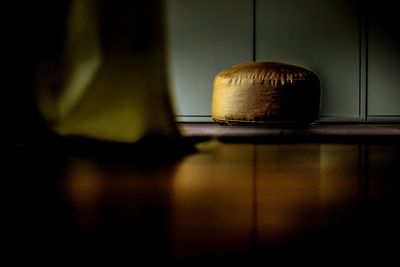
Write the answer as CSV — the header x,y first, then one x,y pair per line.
x,y
221,204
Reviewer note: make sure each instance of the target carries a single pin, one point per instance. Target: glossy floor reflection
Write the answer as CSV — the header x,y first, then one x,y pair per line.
x,y
226,203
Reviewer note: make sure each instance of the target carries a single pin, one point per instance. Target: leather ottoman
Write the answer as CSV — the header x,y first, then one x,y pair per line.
x,y
266,93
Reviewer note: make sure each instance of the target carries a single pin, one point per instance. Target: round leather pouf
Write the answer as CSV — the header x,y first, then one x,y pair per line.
x,y
266,93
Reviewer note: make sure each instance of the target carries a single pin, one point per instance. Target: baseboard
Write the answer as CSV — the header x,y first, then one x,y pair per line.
x,y
383,119
322,119
190,118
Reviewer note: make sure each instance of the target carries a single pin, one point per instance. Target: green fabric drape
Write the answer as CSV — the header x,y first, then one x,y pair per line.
x,y
102,71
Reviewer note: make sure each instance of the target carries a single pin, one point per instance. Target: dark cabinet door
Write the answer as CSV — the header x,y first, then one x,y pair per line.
x,y
321,35
205,36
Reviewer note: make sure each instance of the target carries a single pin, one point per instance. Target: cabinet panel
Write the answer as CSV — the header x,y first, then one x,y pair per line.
x,y
321,35
384,60
205,36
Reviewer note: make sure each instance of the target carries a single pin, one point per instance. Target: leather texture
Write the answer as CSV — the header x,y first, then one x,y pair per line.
x,y
266,92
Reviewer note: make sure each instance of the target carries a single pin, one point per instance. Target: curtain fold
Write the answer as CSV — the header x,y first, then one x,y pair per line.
x,y
101,70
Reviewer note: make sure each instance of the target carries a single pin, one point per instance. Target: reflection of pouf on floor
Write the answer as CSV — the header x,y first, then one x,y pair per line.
x,y
266,92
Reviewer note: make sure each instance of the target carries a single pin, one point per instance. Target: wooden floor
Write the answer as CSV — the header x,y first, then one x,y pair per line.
x,y
226,202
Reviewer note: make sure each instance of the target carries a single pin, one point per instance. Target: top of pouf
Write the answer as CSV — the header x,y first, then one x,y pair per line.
x,y
274,72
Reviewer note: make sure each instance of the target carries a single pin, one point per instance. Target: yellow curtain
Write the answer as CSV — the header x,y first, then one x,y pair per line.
x,y
103,72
